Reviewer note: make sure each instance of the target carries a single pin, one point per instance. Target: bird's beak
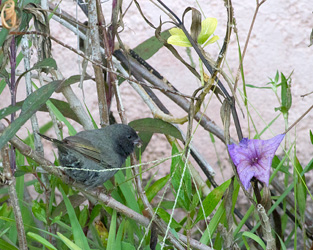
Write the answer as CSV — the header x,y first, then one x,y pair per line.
x,y
138,142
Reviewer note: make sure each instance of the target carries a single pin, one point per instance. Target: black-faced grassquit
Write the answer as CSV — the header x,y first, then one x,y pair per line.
x,y
98,149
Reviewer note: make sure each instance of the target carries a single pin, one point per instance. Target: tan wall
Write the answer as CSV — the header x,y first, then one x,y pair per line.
x,y
279,41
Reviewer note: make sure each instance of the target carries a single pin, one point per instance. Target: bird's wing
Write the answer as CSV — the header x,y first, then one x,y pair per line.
x,y
83,146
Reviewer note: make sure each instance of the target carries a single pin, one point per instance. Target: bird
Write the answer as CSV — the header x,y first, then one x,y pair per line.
x,y
98,149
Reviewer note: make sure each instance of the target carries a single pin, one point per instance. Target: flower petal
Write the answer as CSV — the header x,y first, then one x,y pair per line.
x,y
253,158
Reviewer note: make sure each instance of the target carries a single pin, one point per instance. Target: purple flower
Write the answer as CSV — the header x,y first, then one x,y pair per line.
x,y
253,158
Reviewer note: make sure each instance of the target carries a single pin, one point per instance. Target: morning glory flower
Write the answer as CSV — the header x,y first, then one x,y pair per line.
x,y
208,27
253,158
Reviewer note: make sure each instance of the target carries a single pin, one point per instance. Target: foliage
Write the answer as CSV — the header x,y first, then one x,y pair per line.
x,y
182,209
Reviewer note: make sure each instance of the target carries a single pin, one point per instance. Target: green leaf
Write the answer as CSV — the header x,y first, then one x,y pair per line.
x,y
309,167
127,246
68,242
120,233
31,104
255,238
112,232
94,213
300,188
276,77
208,27
41,240
311,136
83,216
178,181
39,212
2,85
150,46
286,98
145,138
4,244
153,190
73,79
176,32
60,117
127,190
181,41
153,125
195,200
9,110
62,106
257,87
75,200
212,40
5,210
217,218
211,201
3,36
79,236
276,164
166,217
45,63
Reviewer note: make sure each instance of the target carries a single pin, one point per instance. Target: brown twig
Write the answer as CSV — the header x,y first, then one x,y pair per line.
x,y
162,89
111,76
205,121
10,180
96,56
299,119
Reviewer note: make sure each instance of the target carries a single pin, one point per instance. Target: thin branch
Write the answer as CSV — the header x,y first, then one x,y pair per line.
x,y
299,119
9,179
247,42
205,122
96,56
108,41
267,230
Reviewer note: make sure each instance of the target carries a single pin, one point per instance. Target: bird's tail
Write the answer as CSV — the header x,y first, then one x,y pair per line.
x,y
55,141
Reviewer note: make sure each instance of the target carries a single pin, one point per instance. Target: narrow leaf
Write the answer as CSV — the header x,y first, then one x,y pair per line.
x,y
4,244
211,201
166,217
151,46
112,232
41,240
78,233
155,126
31,104
68,242
153,190
255,238
45,63
284,87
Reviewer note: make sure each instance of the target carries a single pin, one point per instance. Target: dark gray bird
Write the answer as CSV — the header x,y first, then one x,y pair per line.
x,y
104,148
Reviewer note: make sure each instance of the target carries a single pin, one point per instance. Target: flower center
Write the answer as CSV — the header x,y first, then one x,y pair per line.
x,y
254,159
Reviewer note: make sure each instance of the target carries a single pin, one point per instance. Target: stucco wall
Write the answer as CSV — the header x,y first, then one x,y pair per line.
x,y
279,41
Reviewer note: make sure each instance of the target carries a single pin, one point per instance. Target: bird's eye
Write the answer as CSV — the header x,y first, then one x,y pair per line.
x,y
129,137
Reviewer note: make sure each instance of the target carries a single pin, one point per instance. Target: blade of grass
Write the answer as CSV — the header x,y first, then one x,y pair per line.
x,y
79,236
